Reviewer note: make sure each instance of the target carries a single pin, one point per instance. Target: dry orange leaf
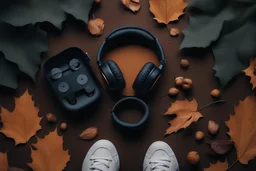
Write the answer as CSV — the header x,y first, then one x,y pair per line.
x,y
96,26
49,155
3,162
23,122
167,10
250,71
242,129
133,5
186,113
219,166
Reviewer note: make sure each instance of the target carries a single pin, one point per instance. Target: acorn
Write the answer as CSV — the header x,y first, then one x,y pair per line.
x,y
184,63
193,157
173,91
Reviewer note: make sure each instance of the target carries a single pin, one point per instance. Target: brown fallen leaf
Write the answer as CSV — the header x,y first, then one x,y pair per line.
x,y
186,113
219,166
221,146
250,71
49,155
166,11
3,162
133,5
89,133
23,122
96,26
242,129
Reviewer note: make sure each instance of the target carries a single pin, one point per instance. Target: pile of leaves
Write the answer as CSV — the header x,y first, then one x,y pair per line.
x,y
23,123
228,28
22,40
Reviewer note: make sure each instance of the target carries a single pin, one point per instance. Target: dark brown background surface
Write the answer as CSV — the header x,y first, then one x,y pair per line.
x,y
131,149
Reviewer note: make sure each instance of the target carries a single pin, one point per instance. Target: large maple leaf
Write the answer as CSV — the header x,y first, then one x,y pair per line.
x,y
23,122
186,113
167,10
250,71
242,129
49,155
3,162
219,166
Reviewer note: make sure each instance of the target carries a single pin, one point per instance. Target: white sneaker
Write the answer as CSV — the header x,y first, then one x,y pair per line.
x,y
102,156
160,157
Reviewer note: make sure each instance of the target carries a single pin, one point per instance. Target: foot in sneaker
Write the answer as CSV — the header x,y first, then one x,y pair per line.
x,y
102,156
160,157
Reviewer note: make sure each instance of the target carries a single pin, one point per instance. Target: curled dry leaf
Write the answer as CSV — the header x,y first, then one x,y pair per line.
x,y
221,146
96,26
133,5
250,71
186,113
167,10
89,133
219,166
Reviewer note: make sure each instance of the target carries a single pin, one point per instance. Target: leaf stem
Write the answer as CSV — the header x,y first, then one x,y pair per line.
x,y
218,101
230,167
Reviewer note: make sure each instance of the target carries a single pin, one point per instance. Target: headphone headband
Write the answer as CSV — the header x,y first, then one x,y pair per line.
x,y
123,36
130,100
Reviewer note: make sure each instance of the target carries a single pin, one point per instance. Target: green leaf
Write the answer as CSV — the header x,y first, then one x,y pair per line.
x,y
233,50
22,46
205,28
8,73
229,28
20,13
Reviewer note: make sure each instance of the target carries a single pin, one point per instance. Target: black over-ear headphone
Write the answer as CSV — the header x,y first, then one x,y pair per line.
x,y
128,35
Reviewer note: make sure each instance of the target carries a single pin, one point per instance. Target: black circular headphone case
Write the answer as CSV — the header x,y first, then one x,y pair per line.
x,y
131,35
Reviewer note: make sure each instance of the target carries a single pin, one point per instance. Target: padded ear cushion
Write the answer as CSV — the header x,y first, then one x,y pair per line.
x,y
146,77
113,75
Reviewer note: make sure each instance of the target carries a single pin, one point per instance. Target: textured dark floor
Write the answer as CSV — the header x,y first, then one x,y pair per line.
x,y
132,148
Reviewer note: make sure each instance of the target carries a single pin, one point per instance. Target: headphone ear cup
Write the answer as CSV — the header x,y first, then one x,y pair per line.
x,y
146,78
113,75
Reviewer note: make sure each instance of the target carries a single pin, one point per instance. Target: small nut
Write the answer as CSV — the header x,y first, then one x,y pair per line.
x,y
193,157
51,118
179,81
215,93
173,91
63,126
174,32
184,63
89,133
199,135
213,127
97,1
187,83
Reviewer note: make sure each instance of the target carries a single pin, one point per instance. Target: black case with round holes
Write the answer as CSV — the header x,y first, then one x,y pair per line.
x,y
72,79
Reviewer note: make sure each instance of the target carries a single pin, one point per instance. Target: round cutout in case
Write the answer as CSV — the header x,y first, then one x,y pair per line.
x,y
82,79
74,64
63,87
56,73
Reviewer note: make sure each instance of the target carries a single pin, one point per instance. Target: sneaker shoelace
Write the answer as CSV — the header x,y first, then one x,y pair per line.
x,y
100,164
160,165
